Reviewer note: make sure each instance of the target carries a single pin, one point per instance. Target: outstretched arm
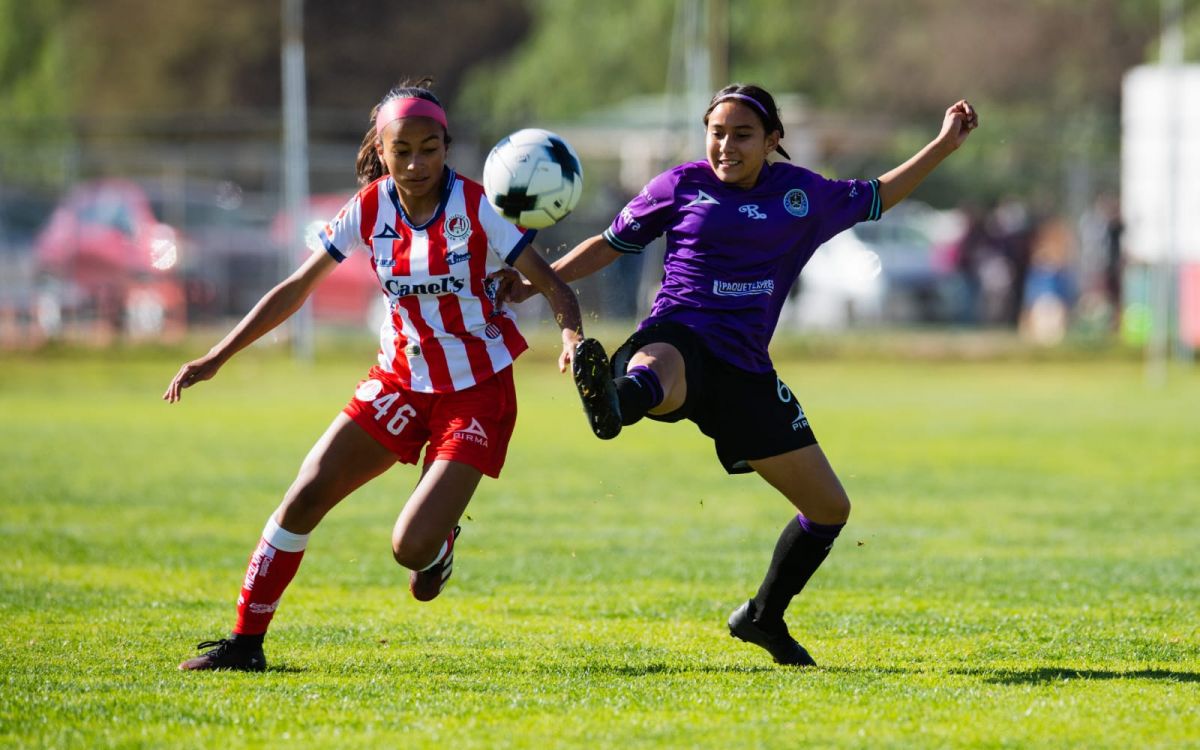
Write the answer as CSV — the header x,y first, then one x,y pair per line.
x,y
958,123
540,276
275,307
585,259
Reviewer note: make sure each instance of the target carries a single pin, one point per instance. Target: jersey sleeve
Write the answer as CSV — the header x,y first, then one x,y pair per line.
x,y
645,217
845,203
343,234
505,239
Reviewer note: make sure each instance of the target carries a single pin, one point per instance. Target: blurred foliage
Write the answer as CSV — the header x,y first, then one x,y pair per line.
x,y
33,66
122,63
1046,74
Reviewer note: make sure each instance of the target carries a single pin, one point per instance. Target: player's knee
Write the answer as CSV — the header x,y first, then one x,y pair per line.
x,y
413,552
842,507
832,508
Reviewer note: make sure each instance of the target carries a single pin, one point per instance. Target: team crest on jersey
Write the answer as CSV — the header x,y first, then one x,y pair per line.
x,y
368,390
457,226
796,202
387,233
492,331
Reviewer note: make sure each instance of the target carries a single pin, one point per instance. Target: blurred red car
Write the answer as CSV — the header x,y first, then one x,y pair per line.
x,y
104,257
351,294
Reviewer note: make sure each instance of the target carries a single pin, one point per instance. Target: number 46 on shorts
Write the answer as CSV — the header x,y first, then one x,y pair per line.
x,y
399,419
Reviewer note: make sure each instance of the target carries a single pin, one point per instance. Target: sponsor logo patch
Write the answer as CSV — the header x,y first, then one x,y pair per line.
x,y
453,258
742,288
751,211
703,199
473,433
437,287
630,222
387,233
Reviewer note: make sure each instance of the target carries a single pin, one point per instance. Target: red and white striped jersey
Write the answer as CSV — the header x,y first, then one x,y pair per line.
x,y
445,332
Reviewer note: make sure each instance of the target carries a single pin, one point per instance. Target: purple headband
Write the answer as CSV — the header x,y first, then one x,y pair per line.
x,y
411,106
760,108
744,98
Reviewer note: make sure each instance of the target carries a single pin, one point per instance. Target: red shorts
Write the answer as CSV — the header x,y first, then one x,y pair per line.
x,y
472,426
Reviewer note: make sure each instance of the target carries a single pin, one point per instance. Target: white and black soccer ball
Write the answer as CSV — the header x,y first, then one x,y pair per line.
x,y
533,178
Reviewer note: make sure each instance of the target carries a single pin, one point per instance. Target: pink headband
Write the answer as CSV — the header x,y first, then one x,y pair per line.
x,y
408,107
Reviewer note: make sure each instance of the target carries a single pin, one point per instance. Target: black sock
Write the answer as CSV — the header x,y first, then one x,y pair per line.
x,y
638,391
801,549
241,640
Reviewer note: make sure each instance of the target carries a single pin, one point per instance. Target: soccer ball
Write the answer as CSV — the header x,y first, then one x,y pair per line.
x,y
533,178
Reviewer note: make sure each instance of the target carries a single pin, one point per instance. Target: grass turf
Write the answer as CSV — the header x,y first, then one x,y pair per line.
x,y
1020,569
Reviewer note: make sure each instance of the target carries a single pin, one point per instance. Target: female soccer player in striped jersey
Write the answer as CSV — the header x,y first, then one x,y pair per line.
x,y
738,230
443,380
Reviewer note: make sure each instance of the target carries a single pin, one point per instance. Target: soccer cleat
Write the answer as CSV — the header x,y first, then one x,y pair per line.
x,y
227,654
593,379
426,584
775,638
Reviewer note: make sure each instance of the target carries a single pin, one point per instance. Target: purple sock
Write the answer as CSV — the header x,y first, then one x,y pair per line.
x,y
638,391
819,530
646,378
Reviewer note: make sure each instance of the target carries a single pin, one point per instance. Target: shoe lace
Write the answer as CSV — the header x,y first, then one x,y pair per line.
x,y
220,645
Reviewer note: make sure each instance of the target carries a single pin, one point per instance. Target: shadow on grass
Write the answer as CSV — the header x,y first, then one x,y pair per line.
x,y
1042,675
646,670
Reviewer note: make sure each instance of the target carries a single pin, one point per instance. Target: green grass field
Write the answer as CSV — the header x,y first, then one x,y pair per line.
x,y
1020,569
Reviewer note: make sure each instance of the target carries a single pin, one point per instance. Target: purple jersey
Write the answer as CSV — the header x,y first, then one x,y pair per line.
x,y
733,254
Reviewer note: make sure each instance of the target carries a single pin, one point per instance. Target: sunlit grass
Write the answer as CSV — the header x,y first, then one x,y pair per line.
x,y
1020,569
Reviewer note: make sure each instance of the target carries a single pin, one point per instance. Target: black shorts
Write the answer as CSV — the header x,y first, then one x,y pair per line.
x,y
748,415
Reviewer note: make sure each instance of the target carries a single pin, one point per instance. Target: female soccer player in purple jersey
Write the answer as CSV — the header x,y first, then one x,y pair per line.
x,y
738,229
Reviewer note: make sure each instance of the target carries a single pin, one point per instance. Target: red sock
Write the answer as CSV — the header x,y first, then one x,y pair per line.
x,y
272,567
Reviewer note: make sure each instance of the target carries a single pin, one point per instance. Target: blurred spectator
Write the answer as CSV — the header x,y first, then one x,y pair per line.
x,y
973,247
1101,266
1011,226
1048,293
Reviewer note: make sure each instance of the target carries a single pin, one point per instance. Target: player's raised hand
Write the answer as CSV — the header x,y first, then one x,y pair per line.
x,y
191,373
958,123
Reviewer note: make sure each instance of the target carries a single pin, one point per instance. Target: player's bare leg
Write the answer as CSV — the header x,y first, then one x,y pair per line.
x,y
424,534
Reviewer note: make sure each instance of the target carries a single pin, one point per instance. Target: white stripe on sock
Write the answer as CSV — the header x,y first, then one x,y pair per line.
x,y
282,539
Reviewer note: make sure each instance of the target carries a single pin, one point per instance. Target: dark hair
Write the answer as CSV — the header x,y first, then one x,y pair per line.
x,y
760,103
368,167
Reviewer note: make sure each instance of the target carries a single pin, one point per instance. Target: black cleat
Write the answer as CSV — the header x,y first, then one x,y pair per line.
x,y
227,654
774,638
593,379
426,584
